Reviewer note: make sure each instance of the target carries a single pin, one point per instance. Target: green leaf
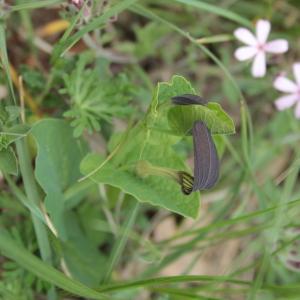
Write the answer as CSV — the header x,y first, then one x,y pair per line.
x,y
8,162
182,117
164,91
95,98
121,172
55,171
161,101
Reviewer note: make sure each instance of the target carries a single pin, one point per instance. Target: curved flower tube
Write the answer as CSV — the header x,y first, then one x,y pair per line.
x,y
206,162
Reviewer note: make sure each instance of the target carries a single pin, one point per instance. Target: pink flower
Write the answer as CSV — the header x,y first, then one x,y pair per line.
x,y
283,84
77,3
86,10
257,46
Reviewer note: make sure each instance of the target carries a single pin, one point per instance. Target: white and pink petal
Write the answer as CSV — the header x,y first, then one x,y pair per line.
x,y
285,85
245,36
244,53
277,46
296,71
263,28
259,65
285,102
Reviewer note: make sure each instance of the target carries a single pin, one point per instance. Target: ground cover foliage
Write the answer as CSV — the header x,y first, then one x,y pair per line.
x,y
93,149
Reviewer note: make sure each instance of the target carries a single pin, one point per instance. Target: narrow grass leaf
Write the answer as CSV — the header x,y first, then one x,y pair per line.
x,y
217,10
5,62
44,271
169,280
34,4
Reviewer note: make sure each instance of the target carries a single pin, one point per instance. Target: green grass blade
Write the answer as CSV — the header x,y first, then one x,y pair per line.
x,y
34,4
182,294
31,206
121,242
5,61
31,263
169,280
217,10
236,220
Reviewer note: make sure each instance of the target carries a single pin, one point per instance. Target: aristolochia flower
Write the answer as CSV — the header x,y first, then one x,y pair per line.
x,y
285,85
257,46
206,161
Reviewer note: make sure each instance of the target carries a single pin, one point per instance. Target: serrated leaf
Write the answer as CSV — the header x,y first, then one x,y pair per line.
x,y
182,117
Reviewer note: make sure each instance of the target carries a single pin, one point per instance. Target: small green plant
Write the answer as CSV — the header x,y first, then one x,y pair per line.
x,y
95,96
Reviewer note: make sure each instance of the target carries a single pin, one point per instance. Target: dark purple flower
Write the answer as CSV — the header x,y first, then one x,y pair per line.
x,y
206,162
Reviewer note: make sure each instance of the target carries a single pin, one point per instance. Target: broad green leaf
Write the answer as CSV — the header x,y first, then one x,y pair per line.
x,y
57,167
8,162
120,172
55,170
182,117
